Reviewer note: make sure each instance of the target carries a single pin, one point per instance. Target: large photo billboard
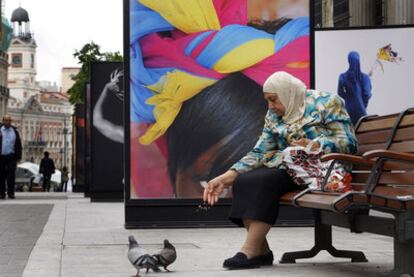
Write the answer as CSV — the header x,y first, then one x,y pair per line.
x,y
196,71
107,131
371,69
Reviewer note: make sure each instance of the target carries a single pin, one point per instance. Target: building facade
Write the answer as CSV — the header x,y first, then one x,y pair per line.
x,y
4,64
342,13
44,122
42,114
4,91
67,77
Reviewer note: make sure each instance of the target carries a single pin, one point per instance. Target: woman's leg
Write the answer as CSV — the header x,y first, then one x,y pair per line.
x,y
264,248
256,238
256,197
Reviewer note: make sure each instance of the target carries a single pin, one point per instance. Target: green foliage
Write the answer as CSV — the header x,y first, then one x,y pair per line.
x,y
89,53
113,56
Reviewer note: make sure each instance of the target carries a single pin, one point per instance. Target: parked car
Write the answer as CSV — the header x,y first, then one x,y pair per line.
x,y
24,179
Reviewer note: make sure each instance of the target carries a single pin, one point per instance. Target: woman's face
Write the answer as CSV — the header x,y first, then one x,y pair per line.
x,y
262,10
270,10
274,103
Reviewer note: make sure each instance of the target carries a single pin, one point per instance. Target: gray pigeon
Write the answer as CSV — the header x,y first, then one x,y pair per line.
x,y
140,258
166,256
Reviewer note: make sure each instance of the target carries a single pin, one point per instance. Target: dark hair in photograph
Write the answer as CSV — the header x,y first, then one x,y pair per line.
x,y
230,113
270,27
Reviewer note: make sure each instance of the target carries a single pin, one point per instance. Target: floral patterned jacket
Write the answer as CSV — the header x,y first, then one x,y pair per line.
x,y
325,121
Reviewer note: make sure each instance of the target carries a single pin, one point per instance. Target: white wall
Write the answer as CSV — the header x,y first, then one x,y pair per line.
x,y
392,90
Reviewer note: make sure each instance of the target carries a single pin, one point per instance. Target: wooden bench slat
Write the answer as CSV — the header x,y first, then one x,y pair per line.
x,y
358,167
287,198
358,186
360,198
343,204
394,191
379,124
317,201
368,147
410,205
360,177
405,146
391,165
404,134
404,178
374,137
387,197
407,121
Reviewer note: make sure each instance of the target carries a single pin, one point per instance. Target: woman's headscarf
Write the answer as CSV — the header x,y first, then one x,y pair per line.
x,y
178,48
291,92
354,74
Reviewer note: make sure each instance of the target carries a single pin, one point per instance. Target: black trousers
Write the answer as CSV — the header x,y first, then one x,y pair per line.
x,y
64,186
8,166
256,195
46,182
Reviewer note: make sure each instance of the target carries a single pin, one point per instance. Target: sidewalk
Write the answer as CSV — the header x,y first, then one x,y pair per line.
x,y
82,238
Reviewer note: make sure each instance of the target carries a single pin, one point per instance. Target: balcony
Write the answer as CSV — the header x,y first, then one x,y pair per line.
x,y
36,144
3,56
4,91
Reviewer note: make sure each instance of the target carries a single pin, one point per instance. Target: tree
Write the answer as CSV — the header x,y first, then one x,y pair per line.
x,y
89,53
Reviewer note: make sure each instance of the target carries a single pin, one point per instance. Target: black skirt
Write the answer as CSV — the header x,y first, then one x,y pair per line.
x,y
256,195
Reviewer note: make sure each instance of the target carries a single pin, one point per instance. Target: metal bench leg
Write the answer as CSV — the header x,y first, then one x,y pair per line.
x,y
323,241
403,259
356,256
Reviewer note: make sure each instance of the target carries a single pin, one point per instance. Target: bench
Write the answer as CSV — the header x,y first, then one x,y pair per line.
x,y
382,180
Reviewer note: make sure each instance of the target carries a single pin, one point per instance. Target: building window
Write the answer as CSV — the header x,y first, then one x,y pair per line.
x,y
17,60
32,61
341,13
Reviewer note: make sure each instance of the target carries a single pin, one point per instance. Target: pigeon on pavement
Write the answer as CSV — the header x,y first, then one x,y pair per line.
x,y
140,258
166,256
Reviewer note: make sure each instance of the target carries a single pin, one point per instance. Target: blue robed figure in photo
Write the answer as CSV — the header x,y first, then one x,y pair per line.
x,y
355,88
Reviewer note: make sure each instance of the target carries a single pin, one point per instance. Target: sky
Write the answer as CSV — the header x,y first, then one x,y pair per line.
x,y
61,26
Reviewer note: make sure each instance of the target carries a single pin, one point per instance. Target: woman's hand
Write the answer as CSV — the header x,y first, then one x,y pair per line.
x,y
305,142
113,85
216,186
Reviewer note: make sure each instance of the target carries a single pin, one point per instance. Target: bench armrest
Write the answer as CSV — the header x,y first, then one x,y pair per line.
x,y
346,158
387,154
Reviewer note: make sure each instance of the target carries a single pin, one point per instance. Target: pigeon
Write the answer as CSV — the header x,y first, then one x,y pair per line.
x,y
140,258
166,256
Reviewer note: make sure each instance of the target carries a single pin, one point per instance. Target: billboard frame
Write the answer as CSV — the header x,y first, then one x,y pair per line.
x,y
181,213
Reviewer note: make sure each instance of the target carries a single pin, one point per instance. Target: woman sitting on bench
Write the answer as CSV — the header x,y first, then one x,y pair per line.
x,y
296,117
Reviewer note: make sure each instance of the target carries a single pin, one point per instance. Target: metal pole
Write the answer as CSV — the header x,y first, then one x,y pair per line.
x,y
65,131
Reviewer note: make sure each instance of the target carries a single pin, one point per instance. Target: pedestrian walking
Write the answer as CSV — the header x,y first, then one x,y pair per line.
x,y
65,179
47,168
11,153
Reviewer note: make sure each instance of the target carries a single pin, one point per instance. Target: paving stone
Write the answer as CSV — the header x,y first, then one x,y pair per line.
x,y
83,239
20,227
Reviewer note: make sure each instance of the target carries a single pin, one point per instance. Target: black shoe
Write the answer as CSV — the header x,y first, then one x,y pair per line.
x,y
12,197
240,261
267,259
